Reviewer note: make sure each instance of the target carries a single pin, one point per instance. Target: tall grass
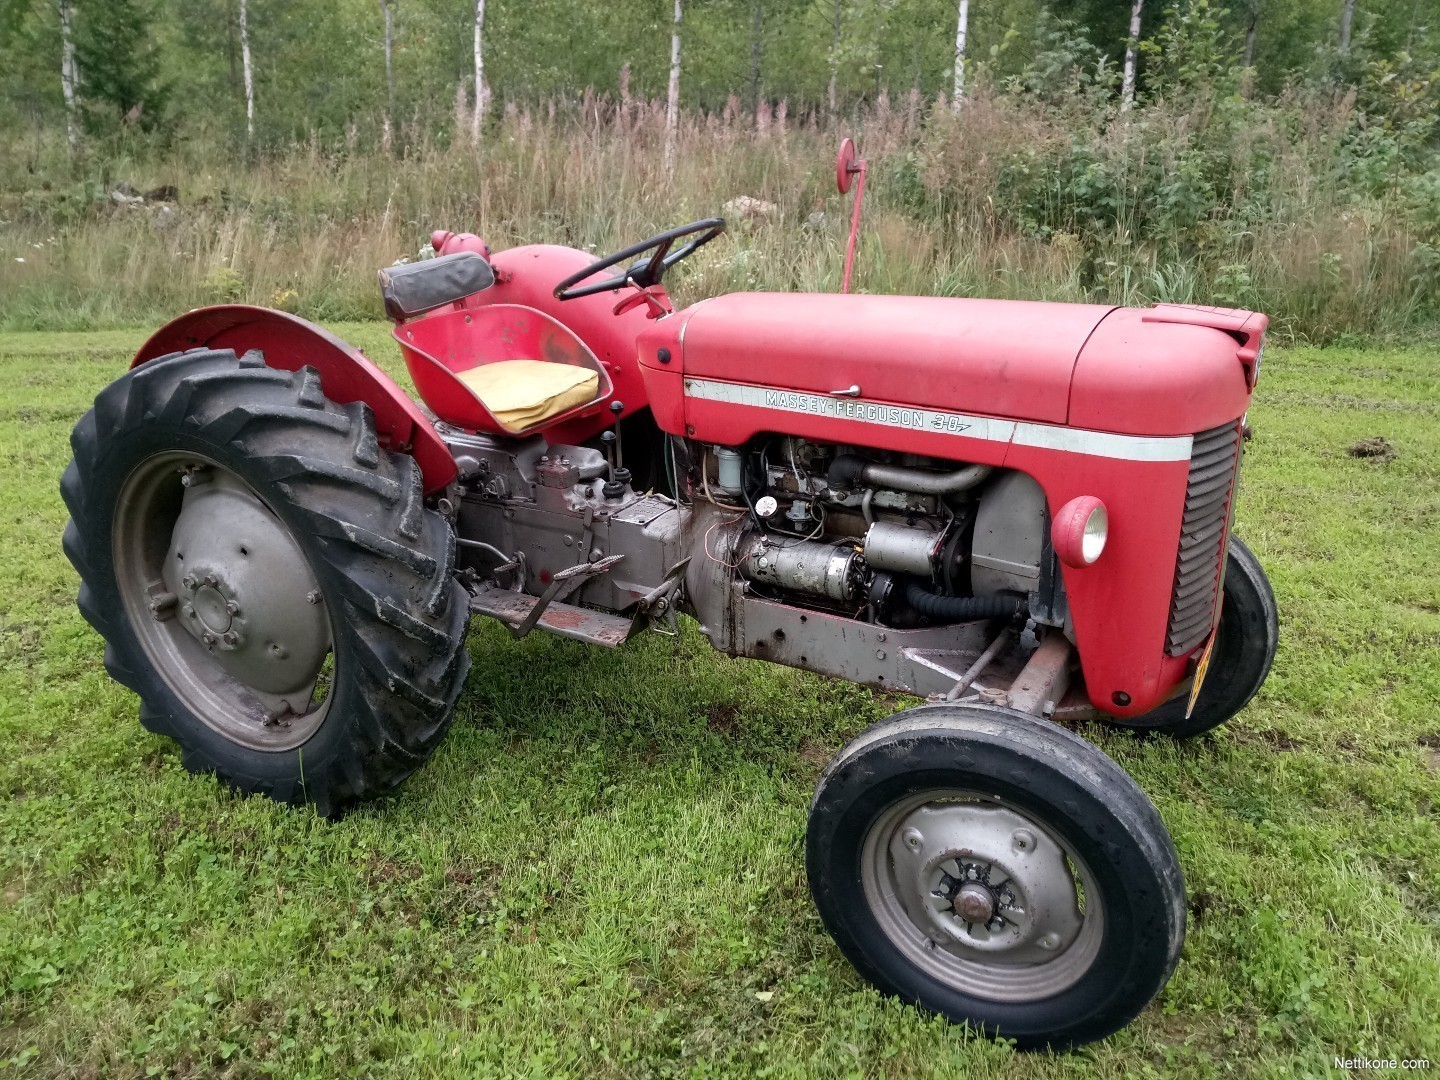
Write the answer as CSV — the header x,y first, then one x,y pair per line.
x,y
1010,196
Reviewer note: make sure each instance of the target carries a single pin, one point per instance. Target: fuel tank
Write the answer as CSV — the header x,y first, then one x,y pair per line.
x,y
1168,370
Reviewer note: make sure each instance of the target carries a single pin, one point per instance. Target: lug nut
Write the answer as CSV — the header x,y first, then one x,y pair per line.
x,y
231,638
189,582
313,597
232,608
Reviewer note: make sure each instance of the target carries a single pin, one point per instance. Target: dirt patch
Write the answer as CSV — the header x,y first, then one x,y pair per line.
x,y
724,720
815,754
1271,738
1430,746
380,872
1377,447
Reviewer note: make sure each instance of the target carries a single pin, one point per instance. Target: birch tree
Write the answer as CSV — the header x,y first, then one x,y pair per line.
x,y
1252,14
481,91
1347,25
672,100
757,30
834,54
1132,44
385,129
962,25
68,75
248,69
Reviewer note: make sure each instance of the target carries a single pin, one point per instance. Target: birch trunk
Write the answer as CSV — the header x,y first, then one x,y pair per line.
x,y
385,129
247,68
672,100
68,76
1347,24
834,56
962,25
1132,43
482,92
389,51
756,53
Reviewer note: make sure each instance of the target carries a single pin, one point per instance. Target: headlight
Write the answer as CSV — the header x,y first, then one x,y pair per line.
x,y
1080,530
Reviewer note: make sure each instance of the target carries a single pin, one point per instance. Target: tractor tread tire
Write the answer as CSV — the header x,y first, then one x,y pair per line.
x,y
383,561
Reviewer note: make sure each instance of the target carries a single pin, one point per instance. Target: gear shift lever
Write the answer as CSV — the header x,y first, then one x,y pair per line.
x,y
619,475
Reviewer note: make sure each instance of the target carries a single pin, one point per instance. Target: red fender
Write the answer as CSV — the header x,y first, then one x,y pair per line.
x,y
290,343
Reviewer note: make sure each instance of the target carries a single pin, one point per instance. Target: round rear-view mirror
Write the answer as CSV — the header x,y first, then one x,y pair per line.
x,y
845,166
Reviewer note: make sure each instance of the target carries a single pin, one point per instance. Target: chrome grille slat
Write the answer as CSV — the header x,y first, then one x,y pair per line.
x,y
1208,495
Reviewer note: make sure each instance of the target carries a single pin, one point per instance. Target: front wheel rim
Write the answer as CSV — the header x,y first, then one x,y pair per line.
x,y
981,896
223,601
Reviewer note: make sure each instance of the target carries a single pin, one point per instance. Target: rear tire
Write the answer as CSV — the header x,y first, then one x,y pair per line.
x,y
1245,645
1082,904
313,481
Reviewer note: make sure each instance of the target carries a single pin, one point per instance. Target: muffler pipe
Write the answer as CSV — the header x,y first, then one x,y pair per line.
x,y
850,471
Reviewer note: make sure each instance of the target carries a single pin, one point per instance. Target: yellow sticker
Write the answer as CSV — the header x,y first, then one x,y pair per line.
x,y
1200,670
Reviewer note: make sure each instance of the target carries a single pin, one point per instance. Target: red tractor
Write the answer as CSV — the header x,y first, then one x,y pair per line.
x,y
1019,512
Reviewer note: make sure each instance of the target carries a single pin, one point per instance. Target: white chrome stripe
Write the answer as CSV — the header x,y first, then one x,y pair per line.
x,y
877,414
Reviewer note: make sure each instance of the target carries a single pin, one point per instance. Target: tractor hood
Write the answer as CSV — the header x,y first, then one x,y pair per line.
x,y
1164,371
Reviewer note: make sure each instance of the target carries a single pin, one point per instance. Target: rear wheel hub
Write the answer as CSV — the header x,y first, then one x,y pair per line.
x,y
223,599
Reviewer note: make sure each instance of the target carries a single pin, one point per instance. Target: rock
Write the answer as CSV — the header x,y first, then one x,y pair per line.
x,y
122,194
745,208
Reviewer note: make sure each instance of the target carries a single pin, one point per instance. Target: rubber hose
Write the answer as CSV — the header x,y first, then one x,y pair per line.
x,y
961,608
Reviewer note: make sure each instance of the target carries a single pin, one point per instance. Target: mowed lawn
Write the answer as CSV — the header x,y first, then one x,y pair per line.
x,y
600,874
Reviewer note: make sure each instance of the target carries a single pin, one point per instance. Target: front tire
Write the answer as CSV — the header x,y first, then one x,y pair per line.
x,y
1245,644
266,577
997,870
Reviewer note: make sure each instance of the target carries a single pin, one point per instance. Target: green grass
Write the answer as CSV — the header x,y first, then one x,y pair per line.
x,y
601,873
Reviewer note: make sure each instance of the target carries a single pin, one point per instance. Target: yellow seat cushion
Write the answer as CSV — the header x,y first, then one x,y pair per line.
x,y
522,393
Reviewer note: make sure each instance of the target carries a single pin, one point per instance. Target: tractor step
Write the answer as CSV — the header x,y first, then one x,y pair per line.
x,y
582,624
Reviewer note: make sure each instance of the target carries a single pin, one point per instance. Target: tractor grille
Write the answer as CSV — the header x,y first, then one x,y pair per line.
x,y
1213,462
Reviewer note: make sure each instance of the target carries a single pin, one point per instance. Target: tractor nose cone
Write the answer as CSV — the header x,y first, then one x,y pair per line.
x,y
211,609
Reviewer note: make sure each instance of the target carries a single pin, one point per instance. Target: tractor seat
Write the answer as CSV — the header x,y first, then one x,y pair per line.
x,y
523,393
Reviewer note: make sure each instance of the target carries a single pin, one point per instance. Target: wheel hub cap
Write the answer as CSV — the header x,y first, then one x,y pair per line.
x,y
245,588
980,896
982,880
210,608
974,903
223,600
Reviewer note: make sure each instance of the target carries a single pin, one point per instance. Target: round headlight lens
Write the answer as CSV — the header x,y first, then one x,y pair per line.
x,y
1097,529
1079,531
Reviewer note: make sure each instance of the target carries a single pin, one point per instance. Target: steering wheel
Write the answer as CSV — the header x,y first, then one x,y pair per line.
x,y
647,272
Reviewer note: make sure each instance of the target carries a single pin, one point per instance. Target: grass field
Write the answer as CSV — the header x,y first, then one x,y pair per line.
x,y
600,873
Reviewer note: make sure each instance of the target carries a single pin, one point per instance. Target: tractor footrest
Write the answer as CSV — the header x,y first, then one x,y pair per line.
x,y
582,624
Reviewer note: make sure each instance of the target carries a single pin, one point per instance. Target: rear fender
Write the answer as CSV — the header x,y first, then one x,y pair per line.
x,y
290,343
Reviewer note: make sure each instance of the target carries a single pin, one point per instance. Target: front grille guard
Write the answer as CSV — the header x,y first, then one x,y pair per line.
x,y
1204,537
